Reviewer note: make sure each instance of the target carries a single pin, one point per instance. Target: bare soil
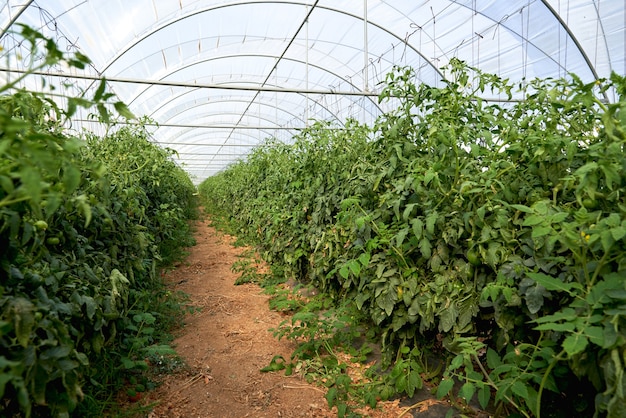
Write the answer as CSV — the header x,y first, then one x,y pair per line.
x,y
226,342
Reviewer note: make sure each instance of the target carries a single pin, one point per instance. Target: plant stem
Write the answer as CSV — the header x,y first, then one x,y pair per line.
x,y
545,379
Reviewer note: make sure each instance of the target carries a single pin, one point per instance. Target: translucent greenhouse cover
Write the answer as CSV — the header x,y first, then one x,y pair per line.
x,y
219,77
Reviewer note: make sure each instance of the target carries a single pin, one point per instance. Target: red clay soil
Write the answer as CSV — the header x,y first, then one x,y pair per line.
x,y
226,342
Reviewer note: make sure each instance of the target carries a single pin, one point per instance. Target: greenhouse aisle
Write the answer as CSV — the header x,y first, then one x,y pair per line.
x,y
226,342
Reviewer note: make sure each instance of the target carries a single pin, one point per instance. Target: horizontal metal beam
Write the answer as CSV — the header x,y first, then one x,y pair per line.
x,y
224,86
206,145
207,164
222,154
194,85
183,125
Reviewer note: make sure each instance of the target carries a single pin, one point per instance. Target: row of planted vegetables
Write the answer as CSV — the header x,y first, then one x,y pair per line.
x,y
85,223
493,233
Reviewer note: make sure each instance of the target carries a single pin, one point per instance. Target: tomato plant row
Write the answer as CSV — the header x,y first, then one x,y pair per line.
x,y
495,233
85,222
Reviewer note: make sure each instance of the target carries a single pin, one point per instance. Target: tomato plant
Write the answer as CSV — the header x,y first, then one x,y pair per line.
x,y
496,229
82,237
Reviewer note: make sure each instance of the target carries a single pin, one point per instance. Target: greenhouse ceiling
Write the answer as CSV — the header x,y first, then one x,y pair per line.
x,y
219,77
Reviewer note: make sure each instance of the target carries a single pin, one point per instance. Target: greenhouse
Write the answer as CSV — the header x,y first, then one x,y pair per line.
x,y
430,194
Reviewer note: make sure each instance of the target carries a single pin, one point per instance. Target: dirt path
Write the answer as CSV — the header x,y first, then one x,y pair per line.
x,y
226,343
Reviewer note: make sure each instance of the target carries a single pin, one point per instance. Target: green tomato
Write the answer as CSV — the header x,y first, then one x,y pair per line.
x,y
590,203
473,257
53,241
41,225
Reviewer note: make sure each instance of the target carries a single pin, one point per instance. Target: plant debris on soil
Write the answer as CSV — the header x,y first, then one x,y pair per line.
x,y
225,342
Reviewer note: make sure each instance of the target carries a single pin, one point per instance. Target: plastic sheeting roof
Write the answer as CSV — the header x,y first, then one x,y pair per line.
x,y
221,76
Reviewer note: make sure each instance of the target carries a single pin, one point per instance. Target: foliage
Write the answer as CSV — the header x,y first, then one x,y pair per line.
x,y
84,225
497,229
328,345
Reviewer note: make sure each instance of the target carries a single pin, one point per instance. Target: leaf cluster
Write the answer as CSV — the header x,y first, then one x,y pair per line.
x,y
85,224
486,227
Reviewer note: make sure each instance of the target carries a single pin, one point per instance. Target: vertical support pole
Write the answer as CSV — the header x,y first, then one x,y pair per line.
x,y
307,68
276,99
365,49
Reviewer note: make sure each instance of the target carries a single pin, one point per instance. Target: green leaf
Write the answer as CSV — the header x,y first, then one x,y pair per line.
x,y
533,220
493,359
90,306
6,183
619,232
401,236
22,312
103,112
484,394
574,344
344,271
425,248
123,110
554,284
406,214
456,362
277,363
541,231
586,168
467,391
128,363
606,237
401,383
567,314
331,397
520,389
565,327
418,227
522,208
71,178
431,219
429,175
364,259
100,90
342,409
355,267
415,382
595,335
386,301
444,388
448,317
535,297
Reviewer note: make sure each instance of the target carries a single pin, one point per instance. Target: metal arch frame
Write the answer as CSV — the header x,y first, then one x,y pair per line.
x,y
241,3
188,134
251,142
265,119
565,27
184,67
227,56
511,31
203,144
16,17
220,100
258,39
189,127
244,134
233,114
574,38
189,91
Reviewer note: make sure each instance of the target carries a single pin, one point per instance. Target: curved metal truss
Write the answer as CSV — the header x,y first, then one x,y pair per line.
x,y
217,77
